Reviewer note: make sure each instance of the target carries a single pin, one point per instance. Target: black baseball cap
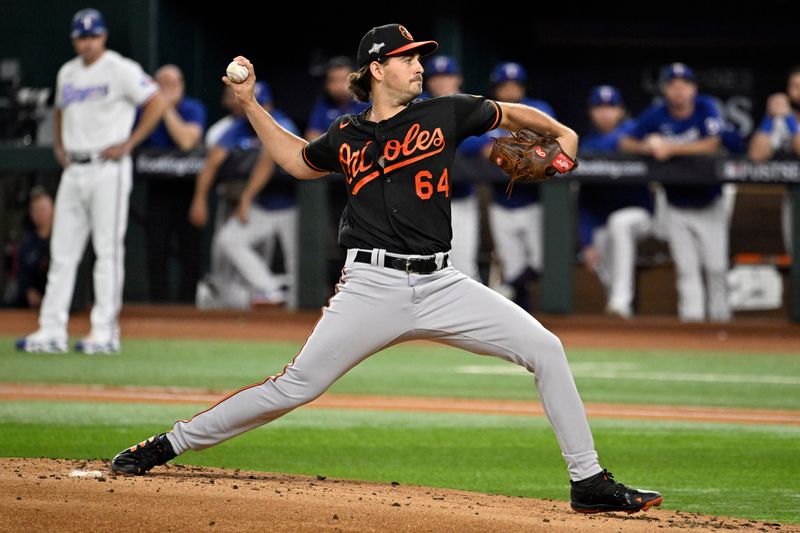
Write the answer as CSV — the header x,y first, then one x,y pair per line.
x,y
390,40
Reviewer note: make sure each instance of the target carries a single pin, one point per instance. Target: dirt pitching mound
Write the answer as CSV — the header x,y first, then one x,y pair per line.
x,y
68,495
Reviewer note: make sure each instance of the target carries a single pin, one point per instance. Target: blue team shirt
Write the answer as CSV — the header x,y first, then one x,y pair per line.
x,y
781,131
189,109
242,136
528,193
705,121
325,111
599,200
607,142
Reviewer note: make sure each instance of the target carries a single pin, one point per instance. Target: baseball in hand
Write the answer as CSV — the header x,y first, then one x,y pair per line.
x,y
236,72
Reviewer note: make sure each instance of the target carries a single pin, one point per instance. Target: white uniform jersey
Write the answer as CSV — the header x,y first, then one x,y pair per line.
x,y
98,102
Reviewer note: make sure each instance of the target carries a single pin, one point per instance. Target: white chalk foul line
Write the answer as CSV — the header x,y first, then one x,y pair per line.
x,y
649,375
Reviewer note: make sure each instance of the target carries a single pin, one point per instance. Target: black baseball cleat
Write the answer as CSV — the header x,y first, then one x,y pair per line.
x,y
600,494
138,459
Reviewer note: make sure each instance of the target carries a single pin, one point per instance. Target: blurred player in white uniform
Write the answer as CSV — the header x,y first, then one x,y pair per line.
x,y
612,217
97,94
266,213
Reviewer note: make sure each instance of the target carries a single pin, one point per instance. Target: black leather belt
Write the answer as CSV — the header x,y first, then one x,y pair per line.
x,y
79,159
415,265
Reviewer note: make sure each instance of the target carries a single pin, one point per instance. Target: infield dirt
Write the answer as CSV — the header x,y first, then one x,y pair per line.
x,y
40,495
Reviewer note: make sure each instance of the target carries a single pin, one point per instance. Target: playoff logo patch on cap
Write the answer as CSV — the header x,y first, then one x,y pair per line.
x,y
390,40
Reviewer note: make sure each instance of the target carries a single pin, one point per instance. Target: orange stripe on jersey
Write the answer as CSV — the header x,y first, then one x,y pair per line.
x,y
363,181
498,116
412,160
366,179
309,163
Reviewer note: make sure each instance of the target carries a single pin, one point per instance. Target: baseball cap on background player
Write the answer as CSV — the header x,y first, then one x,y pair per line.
x,y
441,65
605,95
508,71
676,70
389,40
87,23
262,93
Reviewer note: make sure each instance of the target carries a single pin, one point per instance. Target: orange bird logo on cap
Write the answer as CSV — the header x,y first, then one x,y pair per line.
x,y
404,32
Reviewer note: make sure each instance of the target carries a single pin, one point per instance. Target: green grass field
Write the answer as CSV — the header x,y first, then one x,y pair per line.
x,y
734,470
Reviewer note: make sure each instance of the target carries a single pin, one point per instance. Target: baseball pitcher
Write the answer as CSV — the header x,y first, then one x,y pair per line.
x,y
397,283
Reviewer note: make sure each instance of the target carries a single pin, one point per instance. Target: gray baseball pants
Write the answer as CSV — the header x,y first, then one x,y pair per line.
x,y
375,307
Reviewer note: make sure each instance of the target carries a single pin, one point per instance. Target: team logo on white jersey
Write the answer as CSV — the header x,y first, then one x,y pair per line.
x,y
74,94
376,48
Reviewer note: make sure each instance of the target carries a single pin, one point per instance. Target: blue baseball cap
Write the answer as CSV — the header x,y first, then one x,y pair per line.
x,y
605,95
87,22
262,92
677,70
441,65
508,71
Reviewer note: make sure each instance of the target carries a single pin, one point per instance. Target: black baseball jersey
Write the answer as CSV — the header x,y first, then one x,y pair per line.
x,y
397,171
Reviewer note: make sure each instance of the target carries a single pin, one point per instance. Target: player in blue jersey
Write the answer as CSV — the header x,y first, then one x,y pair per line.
x,y
779,134
516,222
612,217
442,78
687,123
265,213
335,101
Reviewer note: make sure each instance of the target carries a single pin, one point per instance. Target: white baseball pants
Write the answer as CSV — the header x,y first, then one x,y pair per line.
x,y
518,238
616,244
241,244
698,242
92,198
465,217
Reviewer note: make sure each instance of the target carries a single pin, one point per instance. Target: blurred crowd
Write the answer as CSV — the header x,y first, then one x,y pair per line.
x,y
254,247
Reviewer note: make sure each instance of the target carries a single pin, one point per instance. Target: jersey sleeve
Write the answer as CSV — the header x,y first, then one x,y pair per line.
x,y
137,85
475,115
321,154
195,112
646,123
230,139
712,119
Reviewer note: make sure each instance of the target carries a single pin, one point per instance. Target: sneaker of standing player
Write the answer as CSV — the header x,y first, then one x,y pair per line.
x,y
140,458
268,298
42,342
93,345
600,494
619,311
205,295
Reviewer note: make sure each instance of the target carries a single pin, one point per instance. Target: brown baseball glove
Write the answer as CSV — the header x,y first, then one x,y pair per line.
x,y
530,156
